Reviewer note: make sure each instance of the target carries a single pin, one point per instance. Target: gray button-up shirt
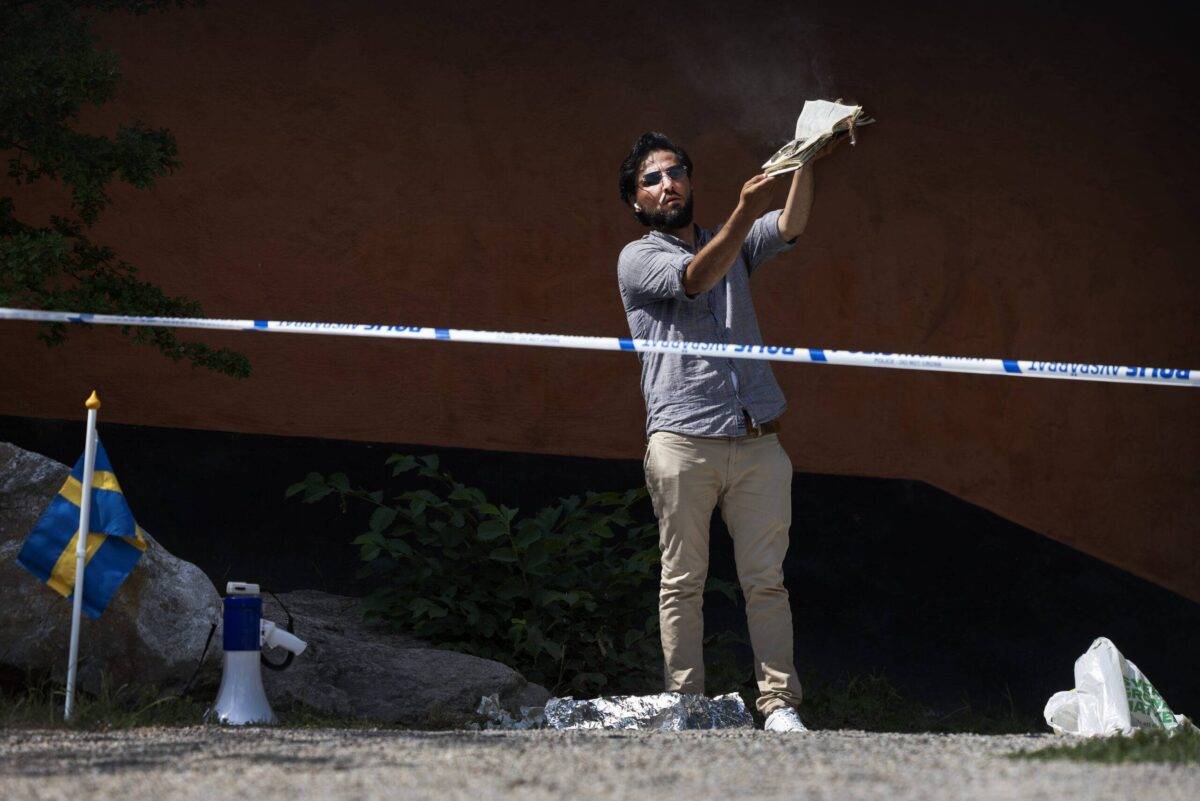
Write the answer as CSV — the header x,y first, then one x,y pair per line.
x,y
693,393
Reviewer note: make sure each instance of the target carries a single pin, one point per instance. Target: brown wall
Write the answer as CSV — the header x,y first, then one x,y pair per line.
x,y
1028,192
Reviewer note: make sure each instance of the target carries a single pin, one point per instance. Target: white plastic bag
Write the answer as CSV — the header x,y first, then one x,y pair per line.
x,y
1111,696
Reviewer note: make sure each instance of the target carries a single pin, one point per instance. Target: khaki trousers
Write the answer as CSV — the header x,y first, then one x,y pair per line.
x,y
751,479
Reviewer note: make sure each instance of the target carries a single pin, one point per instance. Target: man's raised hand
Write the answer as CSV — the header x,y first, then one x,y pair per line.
x,y
757,194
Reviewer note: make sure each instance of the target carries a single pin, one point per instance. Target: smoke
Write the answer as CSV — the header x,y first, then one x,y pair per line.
x,y
756,70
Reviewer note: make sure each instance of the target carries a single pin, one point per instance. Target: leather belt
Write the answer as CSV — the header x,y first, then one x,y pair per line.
x,y
753,432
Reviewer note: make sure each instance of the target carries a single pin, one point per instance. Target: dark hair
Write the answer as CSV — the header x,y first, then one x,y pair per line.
x,y
646,144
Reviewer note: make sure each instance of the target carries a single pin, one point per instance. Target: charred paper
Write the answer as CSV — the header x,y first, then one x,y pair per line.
x,y
820,123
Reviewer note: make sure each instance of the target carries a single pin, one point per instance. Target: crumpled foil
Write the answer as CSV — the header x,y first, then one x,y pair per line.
x,y
661,712
495,716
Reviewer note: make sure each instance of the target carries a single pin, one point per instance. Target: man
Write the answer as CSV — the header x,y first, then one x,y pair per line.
x,y
712,422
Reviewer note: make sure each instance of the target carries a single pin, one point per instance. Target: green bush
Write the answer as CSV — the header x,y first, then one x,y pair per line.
x,y
568,595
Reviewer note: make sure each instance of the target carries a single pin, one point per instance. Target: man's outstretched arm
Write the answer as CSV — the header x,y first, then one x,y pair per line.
x,y
799,204
714,259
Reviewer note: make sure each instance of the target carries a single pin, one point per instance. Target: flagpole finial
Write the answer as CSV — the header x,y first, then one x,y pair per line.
x,y
93,401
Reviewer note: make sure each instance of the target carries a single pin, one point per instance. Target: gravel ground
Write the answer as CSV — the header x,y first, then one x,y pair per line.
x,y
259,764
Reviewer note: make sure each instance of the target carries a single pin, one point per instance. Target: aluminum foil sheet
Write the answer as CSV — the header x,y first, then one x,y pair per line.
x,y
495,716
661,712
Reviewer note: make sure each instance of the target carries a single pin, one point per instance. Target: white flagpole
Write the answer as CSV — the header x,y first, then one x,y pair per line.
x,y
85,513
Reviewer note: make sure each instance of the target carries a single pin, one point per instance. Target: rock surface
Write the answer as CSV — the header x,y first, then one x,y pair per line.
x,y
154,629
353,669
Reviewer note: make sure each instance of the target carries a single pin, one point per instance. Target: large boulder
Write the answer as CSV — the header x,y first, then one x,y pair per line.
x,y
154,629
354,669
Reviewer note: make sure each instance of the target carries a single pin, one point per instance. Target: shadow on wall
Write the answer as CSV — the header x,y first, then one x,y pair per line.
x,y
949,600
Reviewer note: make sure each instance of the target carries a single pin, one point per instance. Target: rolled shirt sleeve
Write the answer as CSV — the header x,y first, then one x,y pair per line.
x,y
764,241
648,273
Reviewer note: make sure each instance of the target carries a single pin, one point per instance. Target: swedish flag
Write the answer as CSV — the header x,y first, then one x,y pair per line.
x,y
114,544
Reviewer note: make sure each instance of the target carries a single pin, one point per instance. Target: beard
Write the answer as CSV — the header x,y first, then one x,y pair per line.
x,y
668,219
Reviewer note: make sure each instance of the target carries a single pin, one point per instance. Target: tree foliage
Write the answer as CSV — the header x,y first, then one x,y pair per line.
x,y
51,69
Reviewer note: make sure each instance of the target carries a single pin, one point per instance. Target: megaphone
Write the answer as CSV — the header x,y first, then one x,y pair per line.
x,y
241,698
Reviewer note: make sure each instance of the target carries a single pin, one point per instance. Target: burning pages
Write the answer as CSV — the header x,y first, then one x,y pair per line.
x,y
820,123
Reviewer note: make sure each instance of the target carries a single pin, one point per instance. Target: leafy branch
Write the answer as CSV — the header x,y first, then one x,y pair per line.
x,y
50,69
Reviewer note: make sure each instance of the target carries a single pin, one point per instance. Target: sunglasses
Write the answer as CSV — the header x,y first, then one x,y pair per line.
x,y
675,173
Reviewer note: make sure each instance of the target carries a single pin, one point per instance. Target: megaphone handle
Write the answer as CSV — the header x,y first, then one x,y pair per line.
x,y
287,660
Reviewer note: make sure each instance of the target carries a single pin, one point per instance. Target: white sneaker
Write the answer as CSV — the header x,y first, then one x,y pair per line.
x,y
784,719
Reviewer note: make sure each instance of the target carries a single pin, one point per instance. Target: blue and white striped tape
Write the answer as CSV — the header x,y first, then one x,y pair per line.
x,y
1117,373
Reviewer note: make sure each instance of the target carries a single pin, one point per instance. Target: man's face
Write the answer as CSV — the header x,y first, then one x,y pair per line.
x,y
667,203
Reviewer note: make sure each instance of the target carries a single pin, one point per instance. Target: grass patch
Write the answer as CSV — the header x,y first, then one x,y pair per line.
x,y
38,704
870,702
437,718
1181,748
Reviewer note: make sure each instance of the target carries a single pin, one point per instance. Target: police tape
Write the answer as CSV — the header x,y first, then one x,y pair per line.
x,y
1076,371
